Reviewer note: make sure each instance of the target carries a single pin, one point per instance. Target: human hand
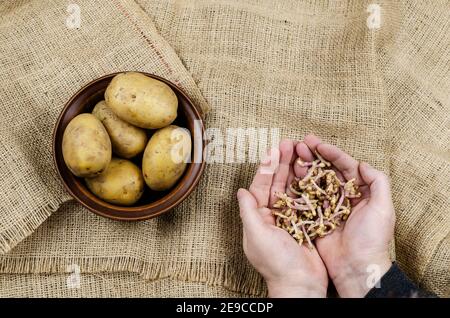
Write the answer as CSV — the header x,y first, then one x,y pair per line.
x,y
290,270
361,244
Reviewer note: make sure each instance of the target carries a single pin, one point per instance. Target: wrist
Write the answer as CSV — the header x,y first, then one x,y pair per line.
x,y
280,289
357,276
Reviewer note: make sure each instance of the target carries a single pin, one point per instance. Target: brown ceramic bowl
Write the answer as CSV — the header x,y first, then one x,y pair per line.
x,y
152,203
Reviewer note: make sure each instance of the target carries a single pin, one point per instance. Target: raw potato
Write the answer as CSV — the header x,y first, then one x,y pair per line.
x,y
142,101
86,146
165,157
127,140
122,183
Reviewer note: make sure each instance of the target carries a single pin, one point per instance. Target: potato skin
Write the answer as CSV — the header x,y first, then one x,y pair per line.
x,y
142,101
121,183
86,146
127,140
164,159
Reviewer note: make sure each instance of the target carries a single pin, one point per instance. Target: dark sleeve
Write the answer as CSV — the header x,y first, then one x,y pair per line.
x,y
396,284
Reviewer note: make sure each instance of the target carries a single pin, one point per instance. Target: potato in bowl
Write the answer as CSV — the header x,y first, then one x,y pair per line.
x,y
141,100
151,203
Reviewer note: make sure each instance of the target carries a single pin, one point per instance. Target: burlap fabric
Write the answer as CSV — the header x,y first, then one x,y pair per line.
x,y
301,66
43,62
121,284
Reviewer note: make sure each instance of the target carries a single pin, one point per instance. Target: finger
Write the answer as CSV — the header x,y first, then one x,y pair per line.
x,y
295,143
365,194
281,176
294,154
358,207
291,175
312,142
305,154
365,191
248,209
267,216
346,164
378,182
262,182
291,178
339,175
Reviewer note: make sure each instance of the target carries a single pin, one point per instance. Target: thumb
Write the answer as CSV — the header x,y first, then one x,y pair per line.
x,y
378,182
248,208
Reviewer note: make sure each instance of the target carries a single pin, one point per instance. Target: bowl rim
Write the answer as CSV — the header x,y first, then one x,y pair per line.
x,y
184,195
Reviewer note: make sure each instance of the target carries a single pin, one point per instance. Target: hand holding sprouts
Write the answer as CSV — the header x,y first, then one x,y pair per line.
x,y
321,202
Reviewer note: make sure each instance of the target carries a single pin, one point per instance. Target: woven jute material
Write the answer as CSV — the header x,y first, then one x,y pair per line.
x,y
43,62
381,93
120,284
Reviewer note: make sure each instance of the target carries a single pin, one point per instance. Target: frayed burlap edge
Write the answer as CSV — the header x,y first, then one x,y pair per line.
x,y
25,227
224,275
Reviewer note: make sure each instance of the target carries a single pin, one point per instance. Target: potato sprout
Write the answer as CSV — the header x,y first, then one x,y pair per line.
x,y
320,202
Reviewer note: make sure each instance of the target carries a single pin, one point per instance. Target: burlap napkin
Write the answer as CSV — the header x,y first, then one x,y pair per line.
x,y
43,62
296,66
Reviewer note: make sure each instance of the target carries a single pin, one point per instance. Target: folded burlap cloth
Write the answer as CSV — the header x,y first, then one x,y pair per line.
x,y
378,90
